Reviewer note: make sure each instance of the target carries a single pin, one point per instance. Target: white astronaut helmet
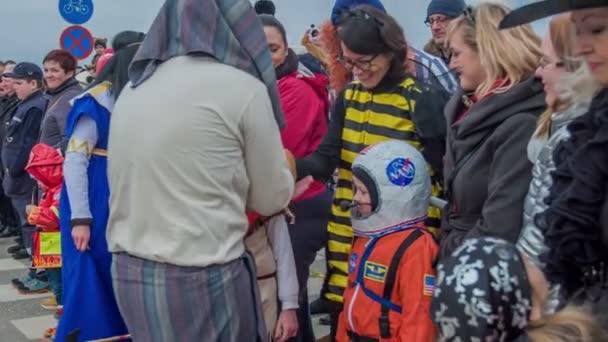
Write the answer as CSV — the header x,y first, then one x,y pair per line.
x,y
397,179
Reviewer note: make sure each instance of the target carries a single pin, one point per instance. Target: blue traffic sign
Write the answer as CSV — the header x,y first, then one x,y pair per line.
x,y
76,12
78,41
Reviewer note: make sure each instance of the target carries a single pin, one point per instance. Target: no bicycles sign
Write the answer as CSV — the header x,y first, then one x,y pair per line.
x,y
76,12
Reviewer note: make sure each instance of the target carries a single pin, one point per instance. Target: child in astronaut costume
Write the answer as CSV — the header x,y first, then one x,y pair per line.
x,y
391,276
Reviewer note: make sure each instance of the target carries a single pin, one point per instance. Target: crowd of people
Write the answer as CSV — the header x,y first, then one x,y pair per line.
x,y
458,191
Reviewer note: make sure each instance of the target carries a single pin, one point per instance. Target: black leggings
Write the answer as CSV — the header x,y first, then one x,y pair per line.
x,y
308,236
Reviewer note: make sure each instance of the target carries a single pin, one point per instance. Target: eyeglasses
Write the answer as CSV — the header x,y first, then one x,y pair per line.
x,y
365,65
545,62
439,20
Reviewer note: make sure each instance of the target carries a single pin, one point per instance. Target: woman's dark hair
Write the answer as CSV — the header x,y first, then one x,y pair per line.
x,y
366,30
270,21
264,7
66,61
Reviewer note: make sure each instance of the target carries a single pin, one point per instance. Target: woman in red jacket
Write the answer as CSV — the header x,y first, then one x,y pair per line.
x,y
305,101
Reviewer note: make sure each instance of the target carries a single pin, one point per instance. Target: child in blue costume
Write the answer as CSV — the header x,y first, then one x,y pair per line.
x,y
89,302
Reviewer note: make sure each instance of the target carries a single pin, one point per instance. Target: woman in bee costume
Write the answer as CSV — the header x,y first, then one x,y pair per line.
x,y
383,103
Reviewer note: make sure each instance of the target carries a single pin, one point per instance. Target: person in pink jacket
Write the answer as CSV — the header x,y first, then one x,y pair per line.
x,y
305,102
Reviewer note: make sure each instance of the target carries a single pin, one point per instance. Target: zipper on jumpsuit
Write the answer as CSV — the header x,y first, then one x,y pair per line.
x,y
351,323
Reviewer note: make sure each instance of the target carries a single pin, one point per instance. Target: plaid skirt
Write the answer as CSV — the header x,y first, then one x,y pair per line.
x,y
161,302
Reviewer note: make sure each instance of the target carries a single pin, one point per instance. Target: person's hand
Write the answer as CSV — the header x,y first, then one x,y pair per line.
x,y
539,286
291,162
301,186
29,208
287,325
81,235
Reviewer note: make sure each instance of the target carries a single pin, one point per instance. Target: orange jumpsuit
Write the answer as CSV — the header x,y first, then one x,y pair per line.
x,y
409,317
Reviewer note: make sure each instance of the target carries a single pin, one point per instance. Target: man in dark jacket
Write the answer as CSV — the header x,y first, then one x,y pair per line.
x,y
439,14
8,105
8,101
21,134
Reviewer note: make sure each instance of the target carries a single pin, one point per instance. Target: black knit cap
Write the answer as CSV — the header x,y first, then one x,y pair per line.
x,y
542,9
264,7
369,183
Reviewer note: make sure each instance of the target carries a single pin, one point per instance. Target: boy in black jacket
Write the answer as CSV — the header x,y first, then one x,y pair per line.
x,y
21,135
8,105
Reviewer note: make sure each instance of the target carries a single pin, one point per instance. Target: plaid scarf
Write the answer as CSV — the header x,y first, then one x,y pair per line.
x,y
228,30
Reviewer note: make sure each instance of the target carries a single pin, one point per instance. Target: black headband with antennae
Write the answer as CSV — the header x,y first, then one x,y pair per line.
x,y
358,14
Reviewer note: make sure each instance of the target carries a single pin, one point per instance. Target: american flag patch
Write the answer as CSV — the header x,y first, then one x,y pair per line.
x,y
429,285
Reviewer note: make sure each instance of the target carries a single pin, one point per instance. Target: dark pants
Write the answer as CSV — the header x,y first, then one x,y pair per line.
x,y
27,230
308,236
7,211
55,283
335,309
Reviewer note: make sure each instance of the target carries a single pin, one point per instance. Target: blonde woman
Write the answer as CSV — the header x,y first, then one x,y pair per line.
x,y
569,88
577,219
490,122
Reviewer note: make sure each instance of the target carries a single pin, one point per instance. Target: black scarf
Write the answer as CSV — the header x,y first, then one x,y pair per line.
x,y
289,66
572,223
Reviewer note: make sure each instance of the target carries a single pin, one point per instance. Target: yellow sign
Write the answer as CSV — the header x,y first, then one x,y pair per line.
x,y
50,243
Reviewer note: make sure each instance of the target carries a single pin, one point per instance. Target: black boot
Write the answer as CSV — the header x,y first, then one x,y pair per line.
x,y
325,320
13,249
319,306
10,232
21,254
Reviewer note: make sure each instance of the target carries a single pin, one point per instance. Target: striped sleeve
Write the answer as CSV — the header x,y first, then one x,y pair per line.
x,y
444,75
429,67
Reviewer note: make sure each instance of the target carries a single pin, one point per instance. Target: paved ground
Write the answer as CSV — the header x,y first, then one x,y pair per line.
x,y
22,319
317,271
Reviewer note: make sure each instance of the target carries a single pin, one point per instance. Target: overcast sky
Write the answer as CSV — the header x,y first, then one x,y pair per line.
x,y
30,28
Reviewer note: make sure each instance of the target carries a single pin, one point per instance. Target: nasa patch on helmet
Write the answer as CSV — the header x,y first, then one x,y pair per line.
x,y
401,171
